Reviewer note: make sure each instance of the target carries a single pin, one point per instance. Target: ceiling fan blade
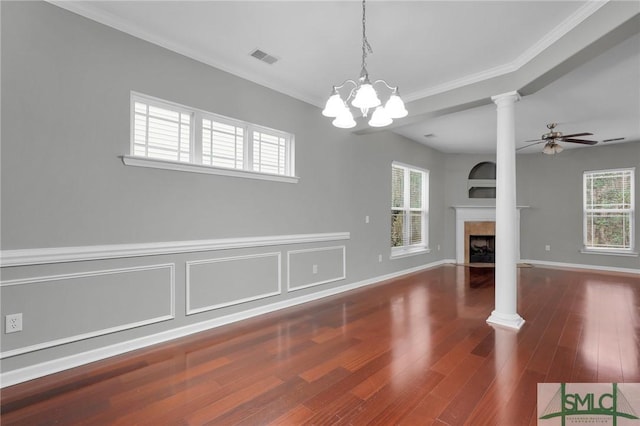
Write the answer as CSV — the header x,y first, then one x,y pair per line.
x,y
527,146
534,140
575,134
583,141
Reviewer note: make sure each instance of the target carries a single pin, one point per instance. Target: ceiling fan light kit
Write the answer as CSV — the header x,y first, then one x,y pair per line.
x,y
364,96
551,139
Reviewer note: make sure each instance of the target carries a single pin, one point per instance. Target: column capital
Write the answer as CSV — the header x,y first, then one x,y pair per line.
x,y
513,96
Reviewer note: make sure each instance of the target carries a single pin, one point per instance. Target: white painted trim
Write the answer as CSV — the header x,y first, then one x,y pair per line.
x,y
400,252
40,256
154,163
83,8
344,267
513,321
612,252
575,19
581,266
478,214
13,377
190,311
75,338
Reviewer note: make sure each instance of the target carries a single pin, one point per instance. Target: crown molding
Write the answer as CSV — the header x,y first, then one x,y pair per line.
x,y
85,9
575,19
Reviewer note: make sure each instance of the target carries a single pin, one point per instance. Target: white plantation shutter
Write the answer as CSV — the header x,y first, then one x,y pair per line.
x,y
222,144
214,144
269,153
161,133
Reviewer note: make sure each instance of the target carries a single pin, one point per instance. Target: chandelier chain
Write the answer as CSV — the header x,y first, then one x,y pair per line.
x,y
366,47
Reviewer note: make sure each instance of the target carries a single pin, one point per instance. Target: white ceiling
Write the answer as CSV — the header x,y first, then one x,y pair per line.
x,y
424,47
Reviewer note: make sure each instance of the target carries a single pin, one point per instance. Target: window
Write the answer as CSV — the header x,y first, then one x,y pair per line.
x,y
161,133
609,210
409,210
172,136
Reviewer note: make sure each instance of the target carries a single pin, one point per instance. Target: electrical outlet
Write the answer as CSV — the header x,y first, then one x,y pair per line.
x,y
366,219
547,247
13,323
314,269
438,247
380,258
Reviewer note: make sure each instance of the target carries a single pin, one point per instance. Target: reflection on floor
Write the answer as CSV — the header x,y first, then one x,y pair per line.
x,y
414,351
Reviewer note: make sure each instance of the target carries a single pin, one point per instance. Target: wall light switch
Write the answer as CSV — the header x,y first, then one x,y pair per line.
x,y
547,247
366,219
314,269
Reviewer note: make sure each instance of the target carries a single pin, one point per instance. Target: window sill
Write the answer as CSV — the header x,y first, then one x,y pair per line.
x,y
406,252
609,252
153,163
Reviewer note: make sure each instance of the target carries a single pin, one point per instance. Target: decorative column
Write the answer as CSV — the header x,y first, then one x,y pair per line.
x,y
506,287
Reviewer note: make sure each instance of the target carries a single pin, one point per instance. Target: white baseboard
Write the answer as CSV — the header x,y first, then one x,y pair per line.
x,y
20,375
581,266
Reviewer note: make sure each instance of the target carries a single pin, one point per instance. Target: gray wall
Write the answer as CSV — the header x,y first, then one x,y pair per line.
x,y
552,188
66,82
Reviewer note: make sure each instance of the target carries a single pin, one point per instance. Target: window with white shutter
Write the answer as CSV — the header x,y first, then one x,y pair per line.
x,y
608,214
409,210
161,132
172,136
222,144
269,152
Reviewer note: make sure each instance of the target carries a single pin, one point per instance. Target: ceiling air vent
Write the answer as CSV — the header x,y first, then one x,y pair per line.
x,y
264,57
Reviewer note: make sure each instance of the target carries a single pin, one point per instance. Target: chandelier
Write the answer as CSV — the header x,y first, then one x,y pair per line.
x,y
363,95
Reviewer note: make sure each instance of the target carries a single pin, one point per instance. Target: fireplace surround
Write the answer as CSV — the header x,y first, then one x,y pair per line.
x,y
478,220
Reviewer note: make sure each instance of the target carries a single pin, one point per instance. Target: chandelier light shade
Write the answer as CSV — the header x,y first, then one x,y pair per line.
x,y
334,105
380,118
363,95
395,107
366,97
344,120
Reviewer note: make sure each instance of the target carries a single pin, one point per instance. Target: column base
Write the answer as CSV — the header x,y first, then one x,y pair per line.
x,y
513,321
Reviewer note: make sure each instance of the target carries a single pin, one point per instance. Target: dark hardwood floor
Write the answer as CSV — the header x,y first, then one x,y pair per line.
x,y
412,351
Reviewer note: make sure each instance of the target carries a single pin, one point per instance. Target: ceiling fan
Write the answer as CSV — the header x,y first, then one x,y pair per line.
x,y
551,139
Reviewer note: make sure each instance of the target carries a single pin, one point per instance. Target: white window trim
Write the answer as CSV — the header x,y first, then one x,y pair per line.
x,y
195,165
603,250
416,249
155,163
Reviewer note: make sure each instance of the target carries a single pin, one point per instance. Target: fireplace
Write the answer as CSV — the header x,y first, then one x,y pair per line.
x,y
479,232
482,248
478,220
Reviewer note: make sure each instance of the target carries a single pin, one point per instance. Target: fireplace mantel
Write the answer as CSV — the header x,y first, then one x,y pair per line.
x,y
478,214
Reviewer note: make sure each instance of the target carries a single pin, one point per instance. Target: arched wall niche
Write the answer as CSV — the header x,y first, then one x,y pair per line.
x,y
482,180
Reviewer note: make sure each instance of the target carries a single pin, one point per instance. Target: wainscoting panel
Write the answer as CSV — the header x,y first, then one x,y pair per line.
x,y
316,266
65,308
220,282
